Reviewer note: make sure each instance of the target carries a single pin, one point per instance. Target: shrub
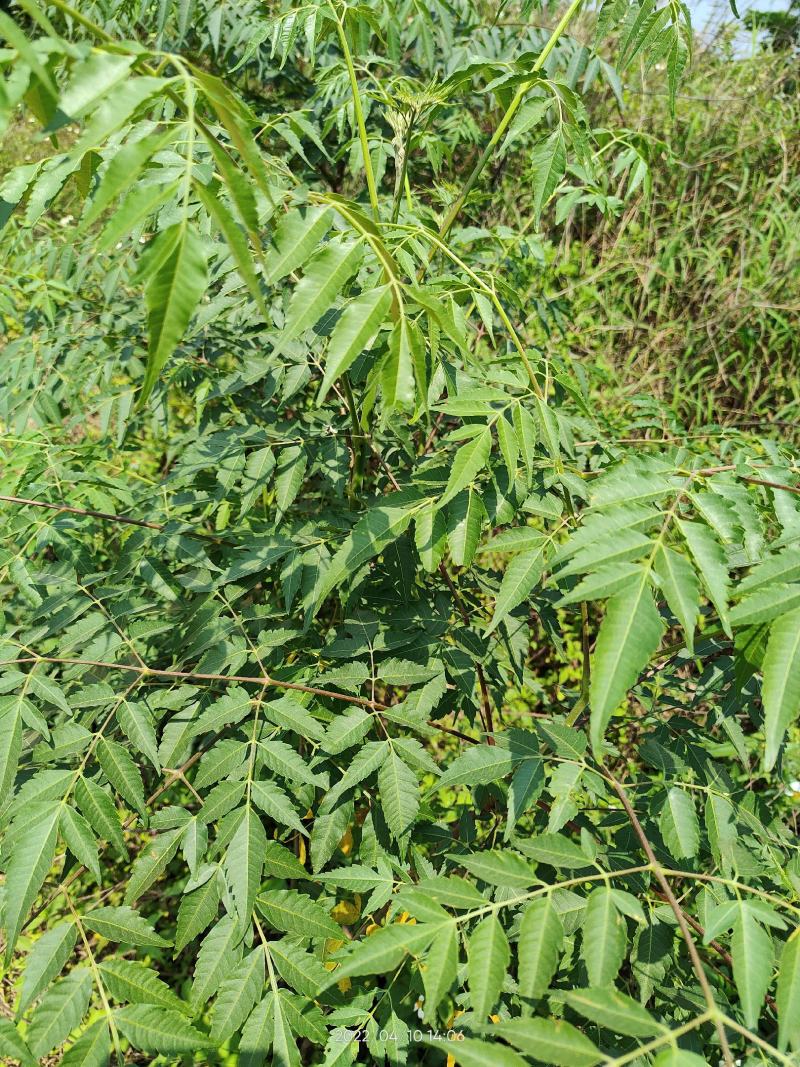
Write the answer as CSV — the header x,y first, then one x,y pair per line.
x,y
368,693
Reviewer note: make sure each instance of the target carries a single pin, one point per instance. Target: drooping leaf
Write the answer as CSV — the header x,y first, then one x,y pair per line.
x,y
604,941
487,959
123,924
629,635
172,296
59,1012
27,868
678,824
781,691
158,1030
541,935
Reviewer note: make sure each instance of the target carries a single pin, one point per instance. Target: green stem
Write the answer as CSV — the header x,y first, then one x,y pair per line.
x,y
359,113
356,442
512,109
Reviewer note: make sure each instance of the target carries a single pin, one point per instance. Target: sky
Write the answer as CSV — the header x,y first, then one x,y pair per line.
x,y
708,14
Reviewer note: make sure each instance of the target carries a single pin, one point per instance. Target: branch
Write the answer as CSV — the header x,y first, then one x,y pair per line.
x,y
680,917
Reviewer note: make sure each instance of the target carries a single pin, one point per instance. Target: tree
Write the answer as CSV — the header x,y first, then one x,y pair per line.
x,y
282,535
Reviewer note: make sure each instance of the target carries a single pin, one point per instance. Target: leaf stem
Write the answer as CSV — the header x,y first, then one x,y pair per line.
x,y
356,439
511,110
677,910
358,111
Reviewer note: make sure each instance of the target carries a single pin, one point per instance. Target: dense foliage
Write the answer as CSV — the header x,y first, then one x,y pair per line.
x,y
371,690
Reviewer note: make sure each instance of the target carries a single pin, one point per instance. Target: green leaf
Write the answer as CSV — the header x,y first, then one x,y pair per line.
x,y
157,1030
257,469
549,164
479,765
294,913
347,730
92,1049
766,604
551,1041
614,1010
399,793
289,472
237,996
681,589
13,1046
172,296
141,202
196,912
99,810
787,995
781,689
541,937
324,279
521,575
232,707
604,941
80,840
123,924
45,960
710,559
122,170
354,332
137,725
10,745
469,461
296,238
299,969
406,350
629,635
372,533
329,828
464,517
279,862
276,804
468,1052
430,534
235,241
488,956
122,773
753,956
60,1011
678,824
383,951
28,866
504,868
256,1039
218,955
130,980
244,862
92,80
679,1057
439,969
151,864
555,850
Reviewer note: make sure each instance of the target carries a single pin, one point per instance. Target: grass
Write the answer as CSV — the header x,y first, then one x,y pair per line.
x,y
693,294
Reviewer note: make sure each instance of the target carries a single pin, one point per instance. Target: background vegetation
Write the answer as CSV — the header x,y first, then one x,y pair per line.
x,y
401,586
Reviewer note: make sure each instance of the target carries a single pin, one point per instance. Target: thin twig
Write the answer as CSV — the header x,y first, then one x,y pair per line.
x,y
680,917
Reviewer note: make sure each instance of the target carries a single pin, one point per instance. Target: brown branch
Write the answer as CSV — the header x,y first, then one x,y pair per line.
x,y
718,948
262,680
106,516
680,917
